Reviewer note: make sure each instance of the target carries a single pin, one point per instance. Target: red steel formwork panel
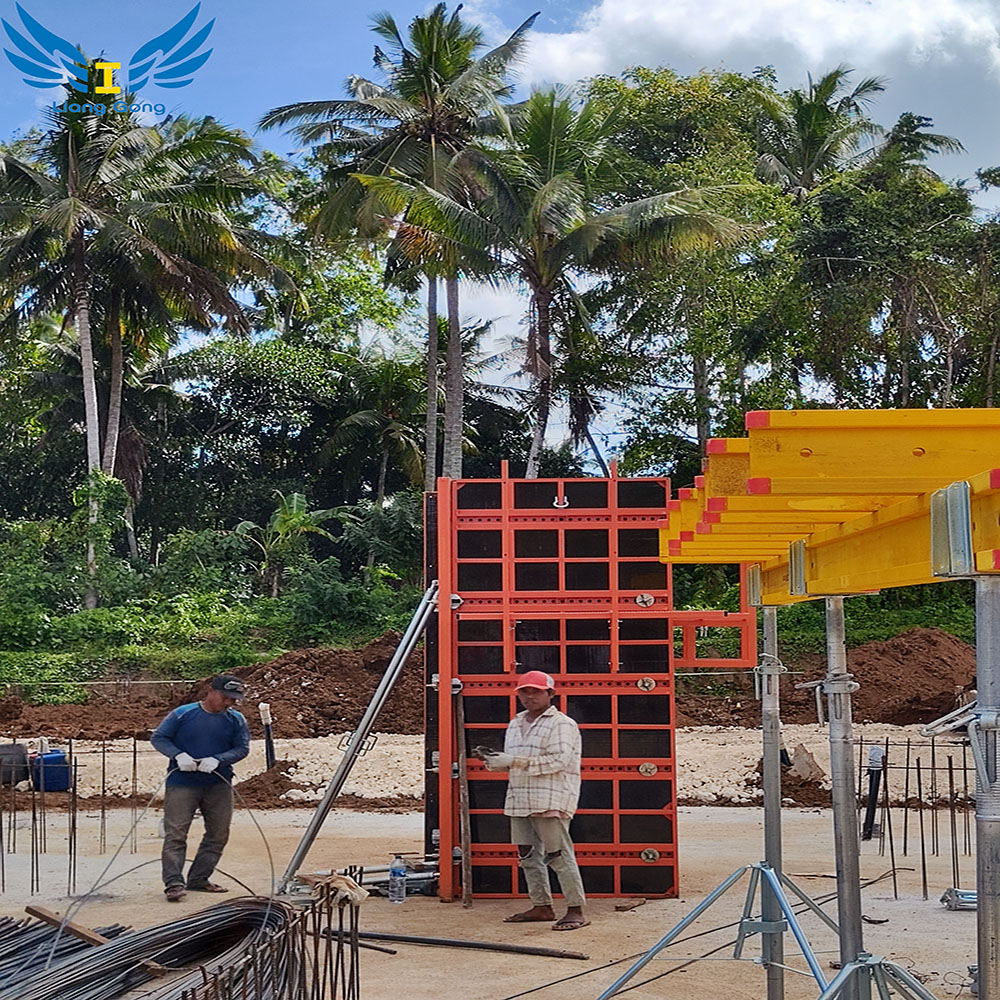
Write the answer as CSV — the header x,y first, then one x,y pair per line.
x,y
564,576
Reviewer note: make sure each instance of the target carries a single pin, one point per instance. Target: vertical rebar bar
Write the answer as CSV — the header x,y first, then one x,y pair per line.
x,y
34,844
42,769
134,834
956,878
906,799
966,801
923,843
887,829
102,837
935,839
12,821
3,852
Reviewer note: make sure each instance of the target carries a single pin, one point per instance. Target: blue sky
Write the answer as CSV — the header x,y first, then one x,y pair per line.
x,y
941,58
266,53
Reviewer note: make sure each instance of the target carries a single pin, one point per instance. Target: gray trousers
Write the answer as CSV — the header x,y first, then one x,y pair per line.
x,y
180,803
548,840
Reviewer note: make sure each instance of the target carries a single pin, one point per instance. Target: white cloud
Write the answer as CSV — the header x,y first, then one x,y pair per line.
x,y
615,33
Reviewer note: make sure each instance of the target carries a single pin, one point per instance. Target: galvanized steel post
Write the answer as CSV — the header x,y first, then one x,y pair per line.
x,y
772,943
838,687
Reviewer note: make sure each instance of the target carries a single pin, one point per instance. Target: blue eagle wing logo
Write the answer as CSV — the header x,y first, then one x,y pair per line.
x,y
171,59
46,60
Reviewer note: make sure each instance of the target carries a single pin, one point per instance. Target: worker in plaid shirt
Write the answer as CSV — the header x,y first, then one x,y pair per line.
x,y
542,755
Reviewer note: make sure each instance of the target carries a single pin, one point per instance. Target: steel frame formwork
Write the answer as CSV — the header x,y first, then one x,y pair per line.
x,y
562,575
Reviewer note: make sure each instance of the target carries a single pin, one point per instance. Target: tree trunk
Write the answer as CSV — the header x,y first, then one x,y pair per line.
x,y
380,503
111,432
133,542
81,320
430,424
905,302
991,367
541,301
605,471
701,400
454,388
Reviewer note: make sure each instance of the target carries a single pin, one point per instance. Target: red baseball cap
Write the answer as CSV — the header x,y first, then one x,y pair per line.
x,y
535,679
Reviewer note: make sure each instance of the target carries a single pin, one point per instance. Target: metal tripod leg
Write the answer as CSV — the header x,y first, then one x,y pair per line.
x,y
714,895
747,912
808,901
775,882
764,878
887,976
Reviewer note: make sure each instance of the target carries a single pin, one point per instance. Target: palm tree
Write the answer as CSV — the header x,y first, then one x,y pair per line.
x,y
108,223
535,219
433,102
284,534
385,397
383,394
805,135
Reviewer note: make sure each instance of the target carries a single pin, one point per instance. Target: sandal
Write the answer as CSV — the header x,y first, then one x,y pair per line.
x,y
570,924
174,893
207,887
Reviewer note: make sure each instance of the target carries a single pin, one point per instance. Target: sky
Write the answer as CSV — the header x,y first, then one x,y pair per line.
x,y
941,58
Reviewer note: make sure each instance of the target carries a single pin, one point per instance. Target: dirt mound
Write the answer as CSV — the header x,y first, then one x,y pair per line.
x,y
316,692
102,717
312,692
264,790
913,678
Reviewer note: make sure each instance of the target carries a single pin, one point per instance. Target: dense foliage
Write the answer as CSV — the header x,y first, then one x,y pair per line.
x,y
218,400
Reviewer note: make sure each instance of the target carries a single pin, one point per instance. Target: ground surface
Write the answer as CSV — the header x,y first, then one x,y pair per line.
x,y
316,693
922,935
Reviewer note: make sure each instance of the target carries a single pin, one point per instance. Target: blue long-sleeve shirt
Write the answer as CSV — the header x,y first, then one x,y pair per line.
x,y
191,730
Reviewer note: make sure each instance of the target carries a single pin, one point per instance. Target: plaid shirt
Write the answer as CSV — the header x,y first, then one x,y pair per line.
x,y
551,780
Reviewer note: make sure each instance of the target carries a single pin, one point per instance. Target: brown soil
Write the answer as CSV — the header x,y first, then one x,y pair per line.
x,y
914,678
264,791
312,692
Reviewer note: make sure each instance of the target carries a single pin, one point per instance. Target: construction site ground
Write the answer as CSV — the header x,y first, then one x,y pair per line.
x,y
935,943
318,694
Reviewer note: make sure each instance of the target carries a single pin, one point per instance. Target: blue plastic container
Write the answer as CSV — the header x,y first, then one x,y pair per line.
x,y
50,771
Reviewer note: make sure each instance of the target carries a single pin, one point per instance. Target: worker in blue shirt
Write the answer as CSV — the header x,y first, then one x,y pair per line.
x,y
203,740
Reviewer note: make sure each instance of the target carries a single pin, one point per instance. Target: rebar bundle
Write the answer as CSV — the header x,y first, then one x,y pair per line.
x,y
218,936
26,944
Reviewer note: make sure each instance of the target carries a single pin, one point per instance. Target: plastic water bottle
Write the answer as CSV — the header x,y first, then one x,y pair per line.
x,y
397,880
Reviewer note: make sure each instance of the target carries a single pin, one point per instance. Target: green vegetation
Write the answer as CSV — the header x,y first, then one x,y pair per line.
x,y
219,398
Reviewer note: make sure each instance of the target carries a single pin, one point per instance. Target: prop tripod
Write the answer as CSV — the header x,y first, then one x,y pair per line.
x,y
764,878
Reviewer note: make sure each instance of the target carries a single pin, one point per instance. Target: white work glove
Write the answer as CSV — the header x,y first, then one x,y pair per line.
x,y
208,764
498,761
185,762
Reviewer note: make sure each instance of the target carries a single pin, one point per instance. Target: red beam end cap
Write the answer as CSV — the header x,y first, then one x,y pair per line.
x,y
757,418
760,485
687,536
715,446
716,503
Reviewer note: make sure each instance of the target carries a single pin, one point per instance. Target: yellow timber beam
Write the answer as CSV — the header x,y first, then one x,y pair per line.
x,y
855,452
888,548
